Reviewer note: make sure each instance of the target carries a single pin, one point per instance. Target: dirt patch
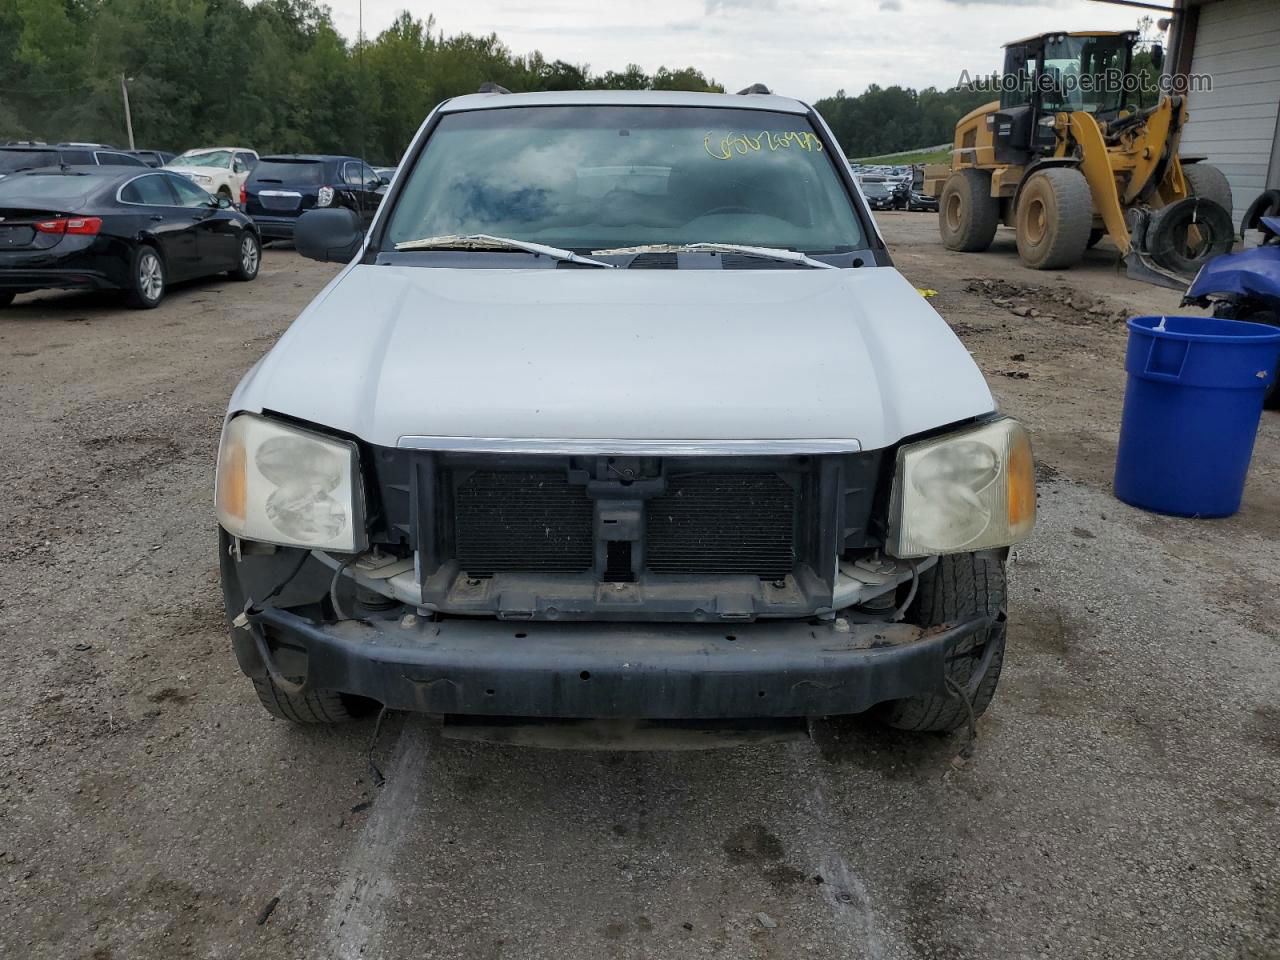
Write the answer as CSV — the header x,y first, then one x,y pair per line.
x,y
1060,303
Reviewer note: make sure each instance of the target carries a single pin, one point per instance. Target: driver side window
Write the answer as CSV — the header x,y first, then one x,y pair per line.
x,y
189,195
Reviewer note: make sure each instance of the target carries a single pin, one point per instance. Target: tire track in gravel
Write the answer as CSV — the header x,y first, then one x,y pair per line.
x,y
357,917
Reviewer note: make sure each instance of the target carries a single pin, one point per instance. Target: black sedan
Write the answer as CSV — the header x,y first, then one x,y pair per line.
x,y
879,194
96,228
282,188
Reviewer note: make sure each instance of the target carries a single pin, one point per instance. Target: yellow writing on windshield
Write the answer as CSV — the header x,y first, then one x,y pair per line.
x,y
742,144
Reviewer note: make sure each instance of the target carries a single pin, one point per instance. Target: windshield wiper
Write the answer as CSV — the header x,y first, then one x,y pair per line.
x,y
770,253
482,241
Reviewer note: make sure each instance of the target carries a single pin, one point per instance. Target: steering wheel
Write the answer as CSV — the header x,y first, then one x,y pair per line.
x,y
727,209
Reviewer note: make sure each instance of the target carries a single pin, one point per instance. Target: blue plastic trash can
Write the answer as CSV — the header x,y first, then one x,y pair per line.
x,y
1191,411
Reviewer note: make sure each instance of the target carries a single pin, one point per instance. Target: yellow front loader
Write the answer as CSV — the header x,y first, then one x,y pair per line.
x,y
1067,156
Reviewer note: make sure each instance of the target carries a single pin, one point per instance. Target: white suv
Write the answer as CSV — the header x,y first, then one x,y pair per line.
x,y
619,413
219,170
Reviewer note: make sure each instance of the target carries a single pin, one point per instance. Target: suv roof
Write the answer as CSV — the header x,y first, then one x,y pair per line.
x,y
613,98
305,157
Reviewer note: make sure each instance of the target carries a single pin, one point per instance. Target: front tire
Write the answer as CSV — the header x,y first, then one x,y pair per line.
x,y
147,278
1054,218
314,706
967,213
249,259
956,588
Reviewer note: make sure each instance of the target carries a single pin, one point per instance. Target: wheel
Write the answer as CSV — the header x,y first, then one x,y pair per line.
x,y
1095,237
1054,218
1207,181
314,706
6,298
1267,204
147,277
956,588
250,258
1271,318
967,213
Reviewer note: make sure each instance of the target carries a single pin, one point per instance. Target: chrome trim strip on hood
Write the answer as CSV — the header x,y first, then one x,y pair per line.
x,y
647,448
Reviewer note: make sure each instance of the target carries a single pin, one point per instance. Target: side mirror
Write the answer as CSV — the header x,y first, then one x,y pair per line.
x,y
332,235
222,201
384,181
1157,56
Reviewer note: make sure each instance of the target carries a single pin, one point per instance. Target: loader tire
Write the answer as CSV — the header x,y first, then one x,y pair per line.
x,y
967,213
1207,181
1054,218
957,588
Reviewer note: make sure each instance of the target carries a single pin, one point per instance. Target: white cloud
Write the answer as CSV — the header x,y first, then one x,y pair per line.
x,y
803,48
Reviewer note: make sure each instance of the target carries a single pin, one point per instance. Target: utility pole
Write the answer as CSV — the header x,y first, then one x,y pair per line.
x,y
128,117
360,72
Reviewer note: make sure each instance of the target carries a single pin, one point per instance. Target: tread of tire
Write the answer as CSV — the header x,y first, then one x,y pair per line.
x,y
1209,182
1074,203
957,587
976,234
315,706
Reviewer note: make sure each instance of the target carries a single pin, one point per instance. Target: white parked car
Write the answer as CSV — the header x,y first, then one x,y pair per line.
x,y
219,170
619,412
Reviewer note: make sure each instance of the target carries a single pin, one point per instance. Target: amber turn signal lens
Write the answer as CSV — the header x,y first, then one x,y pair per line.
x,y
231,493
1022,483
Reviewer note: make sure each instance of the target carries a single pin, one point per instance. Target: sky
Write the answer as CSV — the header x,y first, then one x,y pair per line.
x,y
800,48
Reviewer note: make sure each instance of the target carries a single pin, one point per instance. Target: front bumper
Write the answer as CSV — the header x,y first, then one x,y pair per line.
x,y
484,667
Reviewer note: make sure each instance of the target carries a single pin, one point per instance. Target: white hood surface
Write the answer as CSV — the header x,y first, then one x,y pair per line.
x,y
387,352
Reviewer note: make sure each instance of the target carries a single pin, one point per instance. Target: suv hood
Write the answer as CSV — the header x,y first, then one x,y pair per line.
x,y
204,171
386,352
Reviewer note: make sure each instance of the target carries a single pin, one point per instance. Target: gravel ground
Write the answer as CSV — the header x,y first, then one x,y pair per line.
x,y
1122,800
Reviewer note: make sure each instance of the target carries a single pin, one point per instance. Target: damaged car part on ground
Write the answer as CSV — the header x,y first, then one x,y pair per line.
x,y
440,528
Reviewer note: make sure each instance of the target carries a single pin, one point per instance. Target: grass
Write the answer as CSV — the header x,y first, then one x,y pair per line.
x,y
903,159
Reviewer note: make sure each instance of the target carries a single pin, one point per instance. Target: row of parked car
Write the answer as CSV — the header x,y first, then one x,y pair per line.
x,y
894,188
89,216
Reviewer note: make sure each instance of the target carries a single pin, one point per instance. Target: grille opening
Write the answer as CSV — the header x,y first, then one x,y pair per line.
x,y
617,565
521,520
723,523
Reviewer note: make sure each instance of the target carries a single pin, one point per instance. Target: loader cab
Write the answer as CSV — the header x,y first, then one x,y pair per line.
x,y
1054,73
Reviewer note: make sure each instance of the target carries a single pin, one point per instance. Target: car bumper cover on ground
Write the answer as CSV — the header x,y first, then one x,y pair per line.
x,y
776,668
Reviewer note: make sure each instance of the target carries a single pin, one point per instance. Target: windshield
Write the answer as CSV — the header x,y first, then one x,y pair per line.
x,y
11,160
210,158
601,177
1093,58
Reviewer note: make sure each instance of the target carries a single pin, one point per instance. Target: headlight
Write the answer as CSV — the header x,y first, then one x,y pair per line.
x,y
324,196
969,490
279,484
201,178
